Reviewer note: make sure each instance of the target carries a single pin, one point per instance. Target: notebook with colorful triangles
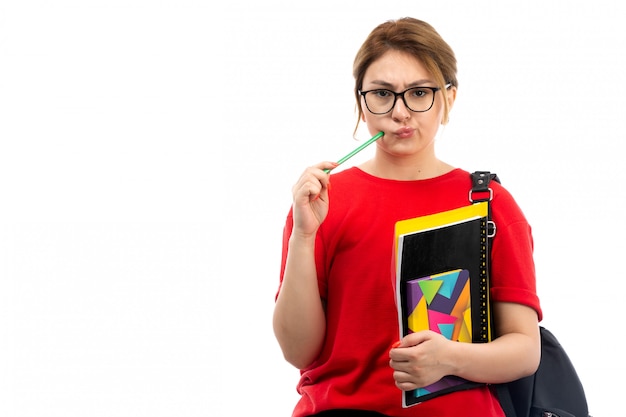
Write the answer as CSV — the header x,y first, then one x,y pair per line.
x,y
442,283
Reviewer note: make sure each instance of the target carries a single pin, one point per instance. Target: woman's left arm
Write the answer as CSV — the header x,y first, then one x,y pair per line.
x,y
515,352
423,358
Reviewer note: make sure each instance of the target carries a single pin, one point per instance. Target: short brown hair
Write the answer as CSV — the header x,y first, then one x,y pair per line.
x,y
414,37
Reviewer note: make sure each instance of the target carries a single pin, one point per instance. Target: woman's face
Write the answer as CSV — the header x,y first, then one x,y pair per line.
x,y
406,132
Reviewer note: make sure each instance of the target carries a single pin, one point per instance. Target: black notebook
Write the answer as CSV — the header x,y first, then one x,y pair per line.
x,y
442,283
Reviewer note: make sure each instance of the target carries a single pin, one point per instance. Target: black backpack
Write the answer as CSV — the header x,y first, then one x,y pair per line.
x,y
554,390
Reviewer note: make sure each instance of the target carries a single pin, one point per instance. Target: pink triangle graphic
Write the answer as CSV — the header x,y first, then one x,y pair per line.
x,y
435,319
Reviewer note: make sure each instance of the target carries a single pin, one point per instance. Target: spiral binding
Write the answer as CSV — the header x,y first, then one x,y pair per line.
x,y
483,291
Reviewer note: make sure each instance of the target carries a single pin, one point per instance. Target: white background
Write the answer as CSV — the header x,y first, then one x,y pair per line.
x,y
147,153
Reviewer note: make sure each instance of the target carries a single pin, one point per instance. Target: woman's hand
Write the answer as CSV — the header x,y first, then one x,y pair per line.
x,y
310,199
418,360
422,358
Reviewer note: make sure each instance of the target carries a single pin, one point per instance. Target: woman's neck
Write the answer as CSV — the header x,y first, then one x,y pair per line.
x,y
406,170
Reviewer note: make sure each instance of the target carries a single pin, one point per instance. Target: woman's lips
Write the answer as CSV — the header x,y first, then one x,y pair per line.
x,y
405,132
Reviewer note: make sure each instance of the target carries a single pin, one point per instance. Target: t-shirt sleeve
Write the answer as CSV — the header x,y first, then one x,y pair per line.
x,y
513,277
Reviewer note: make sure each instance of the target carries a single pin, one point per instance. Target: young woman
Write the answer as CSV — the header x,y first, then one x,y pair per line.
x,y
335,316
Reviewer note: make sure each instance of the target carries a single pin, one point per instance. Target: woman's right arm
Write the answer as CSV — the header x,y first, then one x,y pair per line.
x,y
299,318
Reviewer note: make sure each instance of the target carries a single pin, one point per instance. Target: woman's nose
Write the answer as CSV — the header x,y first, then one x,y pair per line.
x,y
400,111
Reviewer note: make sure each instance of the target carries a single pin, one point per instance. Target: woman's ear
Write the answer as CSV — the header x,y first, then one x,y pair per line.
x,y
451,96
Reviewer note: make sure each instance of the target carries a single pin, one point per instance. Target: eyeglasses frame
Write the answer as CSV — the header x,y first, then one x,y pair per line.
x,y
401,94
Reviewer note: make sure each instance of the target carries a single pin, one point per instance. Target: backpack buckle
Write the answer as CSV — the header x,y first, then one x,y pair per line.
x,y
474,196
480,186
491,232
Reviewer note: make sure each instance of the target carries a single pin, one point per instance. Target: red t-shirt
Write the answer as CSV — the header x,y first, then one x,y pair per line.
x,y
354,258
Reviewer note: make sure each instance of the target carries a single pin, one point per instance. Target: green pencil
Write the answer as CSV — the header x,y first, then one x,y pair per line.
x,y
359,149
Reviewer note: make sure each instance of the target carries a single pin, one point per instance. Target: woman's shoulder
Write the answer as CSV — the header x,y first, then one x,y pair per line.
x,y
504,204
502,198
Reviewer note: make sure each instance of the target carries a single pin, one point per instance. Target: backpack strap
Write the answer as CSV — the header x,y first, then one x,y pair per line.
x,y
480,186
506,402
481,191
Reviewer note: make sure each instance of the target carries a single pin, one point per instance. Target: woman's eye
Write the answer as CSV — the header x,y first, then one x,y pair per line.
x,y
418,93
383,93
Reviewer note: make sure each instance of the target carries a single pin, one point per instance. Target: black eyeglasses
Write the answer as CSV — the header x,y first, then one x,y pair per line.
x,y
417,99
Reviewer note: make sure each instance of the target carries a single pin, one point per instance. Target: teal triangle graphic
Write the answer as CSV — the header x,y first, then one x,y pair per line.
x,y
421,391
448,283
446,330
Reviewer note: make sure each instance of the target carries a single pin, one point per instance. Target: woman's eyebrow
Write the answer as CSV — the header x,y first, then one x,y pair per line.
x,y
388,85
421,83
381,83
